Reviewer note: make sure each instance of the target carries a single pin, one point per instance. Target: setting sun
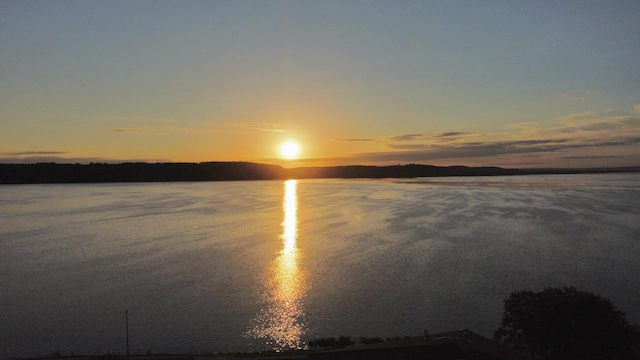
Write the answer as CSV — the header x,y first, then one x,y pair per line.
x,y
289,149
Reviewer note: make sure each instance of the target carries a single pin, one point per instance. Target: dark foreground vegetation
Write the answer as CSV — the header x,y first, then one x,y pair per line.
x,y
555,323
565,323
552,324
42,173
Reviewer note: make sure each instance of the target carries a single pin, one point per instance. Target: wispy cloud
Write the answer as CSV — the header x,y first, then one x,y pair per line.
x,y
532,143
355,139
578,95
32,153
629,122
605,157
164,129
268,127
452,134
483,149
71,160
486,150
523,145
407,137
130,130
141,119
140,125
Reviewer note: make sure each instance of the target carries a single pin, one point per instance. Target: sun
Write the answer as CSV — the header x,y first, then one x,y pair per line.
x,y
289,149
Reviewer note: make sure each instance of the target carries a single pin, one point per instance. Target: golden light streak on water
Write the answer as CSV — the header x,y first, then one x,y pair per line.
x,y
290,223
282,324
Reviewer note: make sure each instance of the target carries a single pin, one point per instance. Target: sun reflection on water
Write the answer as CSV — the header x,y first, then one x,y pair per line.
x,y
282,324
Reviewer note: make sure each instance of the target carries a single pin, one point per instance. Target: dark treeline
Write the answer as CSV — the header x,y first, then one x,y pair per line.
x,y
137,172
397,171
227,171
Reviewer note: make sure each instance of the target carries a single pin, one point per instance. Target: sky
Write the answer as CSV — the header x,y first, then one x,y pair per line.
x,y
479,83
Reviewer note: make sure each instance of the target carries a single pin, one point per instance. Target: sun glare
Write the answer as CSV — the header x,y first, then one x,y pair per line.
x,y
289,149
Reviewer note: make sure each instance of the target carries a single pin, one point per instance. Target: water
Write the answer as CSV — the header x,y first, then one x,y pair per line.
x,y
238,266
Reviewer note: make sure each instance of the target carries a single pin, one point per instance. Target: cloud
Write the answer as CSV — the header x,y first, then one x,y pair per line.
x,y
197,130
30,153
153,125
511,145
72,160
268,127
578,95
165,129
424,152
592,157
581,136
130,130
46,156
612,125
407,137
452,133
141,119
355,139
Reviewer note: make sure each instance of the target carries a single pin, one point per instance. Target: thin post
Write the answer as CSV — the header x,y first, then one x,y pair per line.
x,y
126,316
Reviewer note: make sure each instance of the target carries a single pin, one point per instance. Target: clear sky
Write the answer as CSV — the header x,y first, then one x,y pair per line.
x,y
507,83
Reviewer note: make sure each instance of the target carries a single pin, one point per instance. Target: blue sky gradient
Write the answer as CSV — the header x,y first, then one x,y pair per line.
x,y
508,83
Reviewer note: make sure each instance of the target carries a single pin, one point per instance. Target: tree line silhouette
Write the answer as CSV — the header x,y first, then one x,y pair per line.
x,y
230,171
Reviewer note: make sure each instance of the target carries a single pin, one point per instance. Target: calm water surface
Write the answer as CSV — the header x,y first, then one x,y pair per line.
x,y
235,266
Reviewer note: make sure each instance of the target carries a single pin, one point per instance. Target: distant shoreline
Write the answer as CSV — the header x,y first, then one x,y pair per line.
x,y
54,173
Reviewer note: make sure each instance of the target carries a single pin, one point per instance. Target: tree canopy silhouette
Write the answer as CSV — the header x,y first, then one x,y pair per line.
x,y
565,323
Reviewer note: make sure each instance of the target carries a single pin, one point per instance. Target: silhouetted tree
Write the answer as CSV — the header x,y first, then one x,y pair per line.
x,y
565,323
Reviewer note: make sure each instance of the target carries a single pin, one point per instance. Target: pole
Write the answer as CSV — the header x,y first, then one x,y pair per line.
x,y
126,316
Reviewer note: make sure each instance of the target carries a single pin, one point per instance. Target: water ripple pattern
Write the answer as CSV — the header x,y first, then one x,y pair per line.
x,y
268,265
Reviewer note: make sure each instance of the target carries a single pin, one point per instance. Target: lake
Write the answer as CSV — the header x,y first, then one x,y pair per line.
x,y
238,266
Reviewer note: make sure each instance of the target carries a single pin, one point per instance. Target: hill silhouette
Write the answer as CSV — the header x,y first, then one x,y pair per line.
x,y
52,173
